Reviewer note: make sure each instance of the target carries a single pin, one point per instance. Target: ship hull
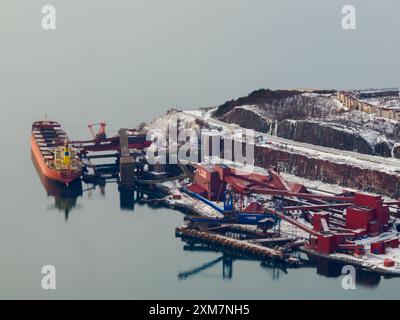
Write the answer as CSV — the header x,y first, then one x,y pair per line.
x,y
60,177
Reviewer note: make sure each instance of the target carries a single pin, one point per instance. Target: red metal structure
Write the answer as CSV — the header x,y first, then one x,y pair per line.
x,y
136,141
101,134
335,221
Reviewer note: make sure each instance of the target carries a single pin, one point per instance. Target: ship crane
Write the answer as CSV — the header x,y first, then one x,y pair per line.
x,y
101,134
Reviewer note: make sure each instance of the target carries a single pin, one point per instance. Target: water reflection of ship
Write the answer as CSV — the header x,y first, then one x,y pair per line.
x,y
65,198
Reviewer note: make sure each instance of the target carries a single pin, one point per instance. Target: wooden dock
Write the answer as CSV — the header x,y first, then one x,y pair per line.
x,y
241,246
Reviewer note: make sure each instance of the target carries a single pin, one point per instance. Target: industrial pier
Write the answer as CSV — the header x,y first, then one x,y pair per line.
x,y
248,210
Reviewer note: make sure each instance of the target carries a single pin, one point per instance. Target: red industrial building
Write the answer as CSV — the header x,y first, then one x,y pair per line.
x,y
208,182
211,180
361,214
366,217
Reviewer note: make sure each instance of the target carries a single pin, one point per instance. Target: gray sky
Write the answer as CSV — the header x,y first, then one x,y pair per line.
x,y
144,56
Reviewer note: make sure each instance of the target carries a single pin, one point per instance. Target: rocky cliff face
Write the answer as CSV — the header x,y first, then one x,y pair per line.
x,y
324,134
329,172
248,119
384,148
313,118
317,118
396,151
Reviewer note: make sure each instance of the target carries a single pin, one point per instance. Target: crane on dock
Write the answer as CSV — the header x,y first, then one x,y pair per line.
x,y
101,134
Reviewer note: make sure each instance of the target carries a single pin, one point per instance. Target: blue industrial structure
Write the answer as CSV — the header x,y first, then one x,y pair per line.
x,y
265,220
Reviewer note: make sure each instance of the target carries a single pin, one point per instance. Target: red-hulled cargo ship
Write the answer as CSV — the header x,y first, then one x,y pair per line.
x,y
55,158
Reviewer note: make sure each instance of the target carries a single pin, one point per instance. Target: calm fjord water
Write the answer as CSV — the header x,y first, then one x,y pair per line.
x,y
127,64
